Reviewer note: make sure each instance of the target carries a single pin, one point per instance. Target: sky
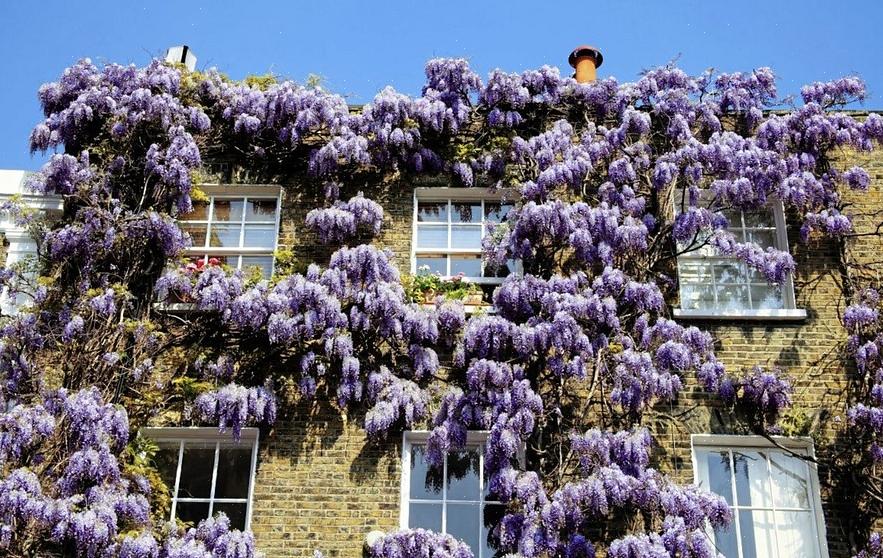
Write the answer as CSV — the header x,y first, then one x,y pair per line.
x,y
360,47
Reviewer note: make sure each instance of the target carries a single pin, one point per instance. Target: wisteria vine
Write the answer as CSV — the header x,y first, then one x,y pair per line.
x,y
608,181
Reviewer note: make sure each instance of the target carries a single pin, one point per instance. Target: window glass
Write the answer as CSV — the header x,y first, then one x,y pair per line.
x,y
222,227
773,503
235,512
259,236
234,470
261,210
197,234
425,481
198,213
432,236
264,263
166,462
213,474
458,506
711,281
198,463
225,236
496,212
451,232
469,266
432,264
192,512
432,211
466,237
227,210
465,212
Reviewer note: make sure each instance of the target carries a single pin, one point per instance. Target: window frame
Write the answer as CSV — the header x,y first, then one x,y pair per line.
x,y
474,438
21,244
444,194
236,192
248,435
789,310
801,445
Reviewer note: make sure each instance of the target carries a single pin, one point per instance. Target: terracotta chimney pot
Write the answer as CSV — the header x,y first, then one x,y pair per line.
x,y
585,60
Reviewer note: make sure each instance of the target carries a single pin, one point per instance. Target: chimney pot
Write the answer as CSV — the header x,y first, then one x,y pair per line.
x,y
585,60
181,55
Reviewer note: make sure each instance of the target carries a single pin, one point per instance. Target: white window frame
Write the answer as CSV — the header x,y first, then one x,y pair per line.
x,y
237,192
474,439
796,445
789,310
248,437
456,194
21,244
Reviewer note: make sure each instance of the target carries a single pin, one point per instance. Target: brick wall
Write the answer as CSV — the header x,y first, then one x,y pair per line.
x,y
321,485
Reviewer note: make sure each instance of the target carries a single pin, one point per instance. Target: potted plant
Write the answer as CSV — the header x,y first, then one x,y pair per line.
x,y
426,287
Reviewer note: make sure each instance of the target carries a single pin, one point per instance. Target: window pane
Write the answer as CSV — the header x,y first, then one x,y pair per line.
x,y
729,272
463,479
197,234
760,218
466,237
196,469
427,516
432,264
732,297
789,481
260,210
470,266
425,482
725,541
464,523
199,212
501,272
697,297
432,236
495,212
719,476
734,219
432,211
265,263
695,272
758,534
166,461
764,238
236,513
493,514
234,471
797,535
225,236
466,212
260,236
752,484
191,512
228,210
766,296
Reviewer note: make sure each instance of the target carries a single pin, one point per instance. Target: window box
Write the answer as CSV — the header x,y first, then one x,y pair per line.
x,y
774,495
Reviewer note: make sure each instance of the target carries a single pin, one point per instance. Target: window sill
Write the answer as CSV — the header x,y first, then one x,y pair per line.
x,y
772,315
469,308
176,307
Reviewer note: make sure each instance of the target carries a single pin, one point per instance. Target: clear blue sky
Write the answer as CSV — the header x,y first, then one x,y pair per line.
x,y
358,47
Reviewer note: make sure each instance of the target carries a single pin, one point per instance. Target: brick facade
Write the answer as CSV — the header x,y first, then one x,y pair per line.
x,y
321,485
